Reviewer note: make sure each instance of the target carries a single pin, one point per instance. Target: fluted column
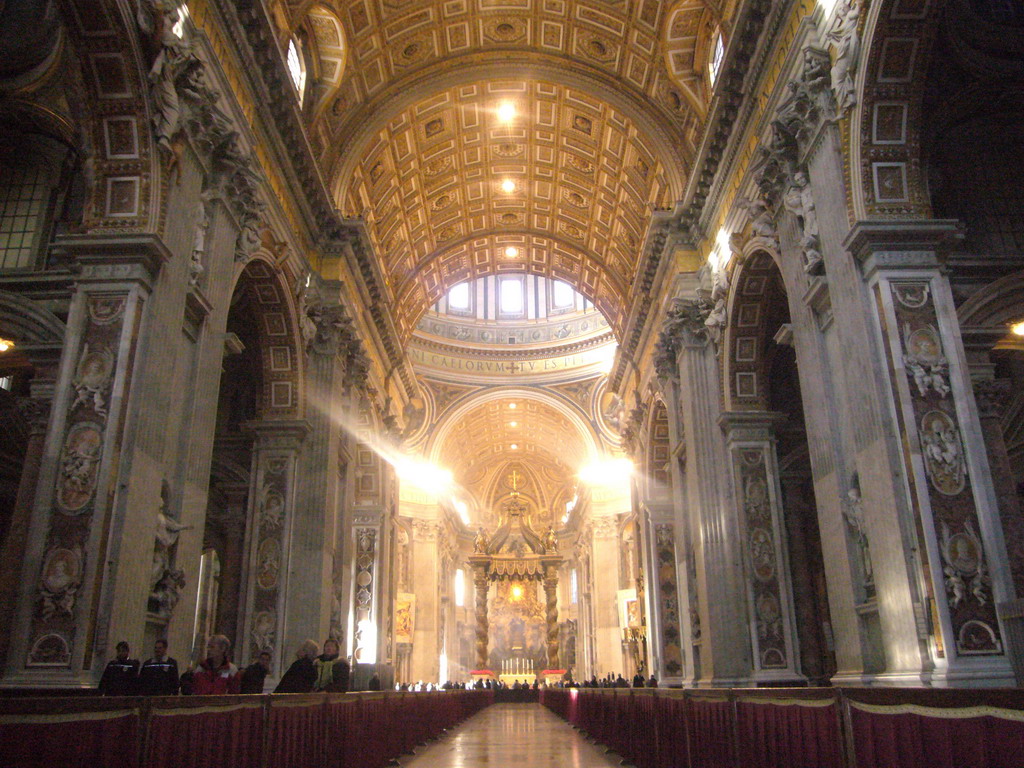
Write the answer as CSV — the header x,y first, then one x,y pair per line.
x,y
317,537
686,353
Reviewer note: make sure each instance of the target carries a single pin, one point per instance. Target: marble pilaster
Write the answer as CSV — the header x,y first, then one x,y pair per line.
x,y
956,540
604,599
269,537
750,438
36,410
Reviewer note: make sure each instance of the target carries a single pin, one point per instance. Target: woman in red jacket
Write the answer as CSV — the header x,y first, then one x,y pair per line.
x,y
216,674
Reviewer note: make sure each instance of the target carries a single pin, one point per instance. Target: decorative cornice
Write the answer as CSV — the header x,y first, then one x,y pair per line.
x,y
280,433
659,242
114,258
730,93
516,352
932,235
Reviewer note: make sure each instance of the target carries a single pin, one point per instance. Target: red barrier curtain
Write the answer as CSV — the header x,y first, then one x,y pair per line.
x,y
295,731
208,736
926,737
788,733
80,739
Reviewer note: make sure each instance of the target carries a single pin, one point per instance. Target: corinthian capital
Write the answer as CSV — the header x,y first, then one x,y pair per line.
x,y
685,325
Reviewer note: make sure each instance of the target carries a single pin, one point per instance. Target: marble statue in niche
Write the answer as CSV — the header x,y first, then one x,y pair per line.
x,y
166,581
195,267
853,512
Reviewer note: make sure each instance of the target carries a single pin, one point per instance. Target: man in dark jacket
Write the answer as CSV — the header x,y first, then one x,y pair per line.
x,y
301,675
159,675
256,673
120,675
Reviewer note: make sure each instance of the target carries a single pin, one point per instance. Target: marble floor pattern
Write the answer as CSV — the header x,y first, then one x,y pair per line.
x,y
521,735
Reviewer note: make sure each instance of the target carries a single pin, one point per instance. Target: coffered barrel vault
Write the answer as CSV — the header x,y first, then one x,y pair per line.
x,y
447,186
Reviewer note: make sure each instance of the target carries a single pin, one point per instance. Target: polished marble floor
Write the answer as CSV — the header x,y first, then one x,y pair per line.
x,y
520,735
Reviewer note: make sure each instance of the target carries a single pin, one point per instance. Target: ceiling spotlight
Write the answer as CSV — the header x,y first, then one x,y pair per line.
x,y
513,423
508,186
1017,328
514,447
511,252
6,344
512,405
506,111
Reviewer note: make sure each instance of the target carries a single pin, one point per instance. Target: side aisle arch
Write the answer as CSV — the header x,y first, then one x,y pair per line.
x,y
281,355
756,288
888,180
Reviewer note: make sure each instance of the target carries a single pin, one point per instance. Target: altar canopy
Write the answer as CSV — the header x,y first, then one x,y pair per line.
x,y
517,628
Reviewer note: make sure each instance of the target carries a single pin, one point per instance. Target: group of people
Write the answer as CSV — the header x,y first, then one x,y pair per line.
x,y
611,680
315,671
216,675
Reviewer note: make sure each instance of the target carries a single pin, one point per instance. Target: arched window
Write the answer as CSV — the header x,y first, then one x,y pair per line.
x,y
717,54
296,68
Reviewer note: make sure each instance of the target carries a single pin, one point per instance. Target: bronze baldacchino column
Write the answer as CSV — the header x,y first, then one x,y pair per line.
x,y
481,564
550,561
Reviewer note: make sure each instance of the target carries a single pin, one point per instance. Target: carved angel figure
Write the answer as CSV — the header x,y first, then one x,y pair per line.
x,y
760,218
92,376
928,374
847,41
799,200
550,540
480,542
716,318
158,18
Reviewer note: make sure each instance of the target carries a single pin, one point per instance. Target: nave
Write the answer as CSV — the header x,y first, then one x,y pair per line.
x,y
525,735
